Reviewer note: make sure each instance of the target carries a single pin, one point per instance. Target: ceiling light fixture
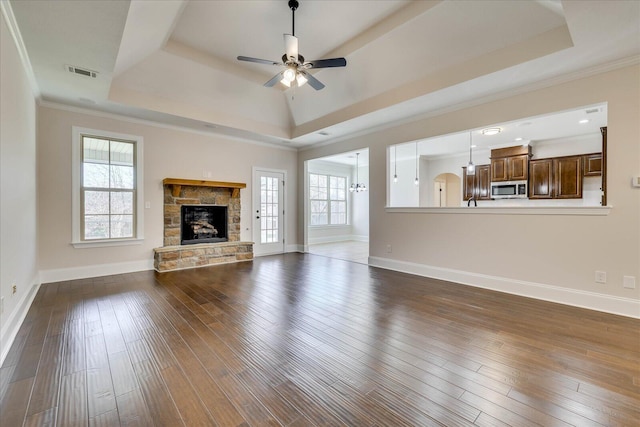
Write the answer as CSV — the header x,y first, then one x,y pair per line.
x,y
583,121
357,186
471,168
417,181
518,139
491,131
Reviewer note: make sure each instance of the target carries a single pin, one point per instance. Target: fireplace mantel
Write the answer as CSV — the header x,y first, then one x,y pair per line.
x,y
177,183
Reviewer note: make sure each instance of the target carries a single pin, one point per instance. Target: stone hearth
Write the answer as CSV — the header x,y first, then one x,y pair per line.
x,y
178,192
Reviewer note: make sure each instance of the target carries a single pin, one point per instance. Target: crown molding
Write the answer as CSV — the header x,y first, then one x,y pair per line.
x,y
14,30
128,119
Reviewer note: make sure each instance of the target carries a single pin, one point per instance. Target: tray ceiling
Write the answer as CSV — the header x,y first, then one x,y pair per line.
x,y
175,61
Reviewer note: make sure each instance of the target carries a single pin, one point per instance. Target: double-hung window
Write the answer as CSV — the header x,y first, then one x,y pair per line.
x,y
328,199
107,188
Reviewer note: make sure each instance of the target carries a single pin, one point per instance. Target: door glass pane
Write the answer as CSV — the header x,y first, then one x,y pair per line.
x,y
269,209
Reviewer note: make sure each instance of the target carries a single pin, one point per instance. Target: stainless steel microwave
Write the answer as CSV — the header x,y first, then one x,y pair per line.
x,y
509,190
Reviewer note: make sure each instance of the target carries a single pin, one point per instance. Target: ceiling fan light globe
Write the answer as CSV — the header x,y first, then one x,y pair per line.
x,y
301,79
289,75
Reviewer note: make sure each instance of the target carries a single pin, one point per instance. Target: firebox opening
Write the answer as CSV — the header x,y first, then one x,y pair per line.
x,y
203,224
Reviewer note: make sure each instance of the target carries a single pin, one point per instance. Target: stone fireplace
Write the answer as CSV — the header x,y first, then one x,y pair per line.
x,y
201,225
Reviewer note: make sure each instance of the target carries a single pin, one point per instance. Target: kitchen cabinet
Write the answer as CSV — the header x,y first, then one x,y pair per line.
x,y
510,164
556,178
478,185
592,164
541,179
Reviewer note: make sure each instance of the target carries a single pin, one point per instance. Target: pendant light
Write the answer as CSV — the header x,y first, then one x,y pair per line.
x,y
357,186
471,168
417,181
395,164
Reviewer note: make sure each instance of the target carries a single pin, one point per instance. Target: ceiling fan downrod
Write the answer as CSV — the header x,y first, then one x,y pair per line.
x,y
293,5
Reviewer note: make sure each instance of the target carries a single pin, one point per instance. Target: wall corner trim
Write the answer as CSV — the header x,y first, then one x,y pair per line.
x,y
628,307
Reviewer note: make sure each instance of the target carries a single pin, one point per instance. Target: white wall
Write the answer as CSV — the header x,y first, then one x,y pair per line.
x,y
546,256
360,208
168,153
18,204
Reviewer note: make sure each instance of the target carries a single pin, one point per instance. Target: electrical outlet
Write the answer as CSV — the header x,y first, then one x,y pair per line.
x,y
601,277
629,282
389,249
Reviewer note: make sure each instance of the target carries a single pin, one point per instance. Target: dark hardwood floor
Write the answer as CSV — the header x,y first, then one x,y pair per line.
x,y
304,340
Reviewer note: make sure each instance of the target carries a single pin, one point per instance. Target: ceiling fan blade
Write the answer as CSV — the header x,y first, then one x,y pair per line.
x,y
259,61
313,82
291,46
327,63
274,80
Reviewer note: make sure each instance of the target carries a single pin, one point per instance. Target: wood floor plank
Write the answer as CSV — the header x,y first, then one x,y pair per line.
x,y
14,402
44,395
304,340
161,406
72,406
133,410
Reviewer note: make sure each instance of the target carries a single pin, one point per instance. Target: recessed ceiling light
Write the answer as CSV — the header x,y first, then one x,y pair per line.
x,y
525,124
474,146
518,139
323,133
583,121
491,131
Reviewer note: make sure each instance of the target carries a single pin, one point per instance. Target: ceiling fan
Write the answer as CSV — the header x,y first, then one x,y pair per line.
x,y
295,72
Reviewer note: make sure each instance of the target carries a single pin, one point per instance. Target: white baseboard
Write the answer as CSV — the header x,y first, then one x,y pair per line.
x,y
330,239
10,328
339,238
84,272
294,248
591,300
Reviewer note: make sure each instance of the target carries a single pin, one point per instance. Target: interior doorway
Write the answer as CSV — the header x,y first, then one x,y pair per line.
x,y
337,206
447,190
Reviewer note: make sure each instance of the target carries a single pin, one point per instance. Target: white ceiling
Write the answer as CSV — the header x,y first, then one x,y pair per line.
x,y
175,61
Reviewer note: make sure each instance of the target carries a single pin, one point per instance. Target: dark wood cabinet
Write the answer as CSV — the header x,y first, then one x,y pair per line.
x,y
592,164
510,164
518,167
478,185
483,182
568,177
499,169
558,178
541,179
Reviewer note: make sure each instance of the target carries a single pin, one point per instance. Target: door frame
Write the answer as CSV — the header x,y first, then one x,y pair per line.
x,y
256,238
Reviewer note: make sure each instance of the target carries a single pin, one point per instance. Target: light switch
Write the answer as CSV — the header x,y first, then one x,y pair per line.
x,y
147,205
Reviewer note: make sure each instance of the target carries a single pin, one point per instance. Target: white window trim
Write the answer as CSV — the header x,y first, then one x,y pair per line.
x,y
76,143
329,200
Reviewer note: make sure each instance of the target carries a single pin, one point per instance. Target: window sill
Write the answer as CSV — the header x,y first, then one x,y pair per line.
x,y
541,210
329,226
106,243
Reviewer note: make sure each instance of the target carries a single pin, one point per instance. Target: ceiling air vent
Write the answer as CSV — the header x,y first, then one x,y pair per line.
x,y
592,110
81,71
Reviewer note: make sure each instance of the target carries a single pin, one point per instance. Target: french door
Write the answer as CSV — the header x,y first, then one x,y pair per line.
x,y
268,212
